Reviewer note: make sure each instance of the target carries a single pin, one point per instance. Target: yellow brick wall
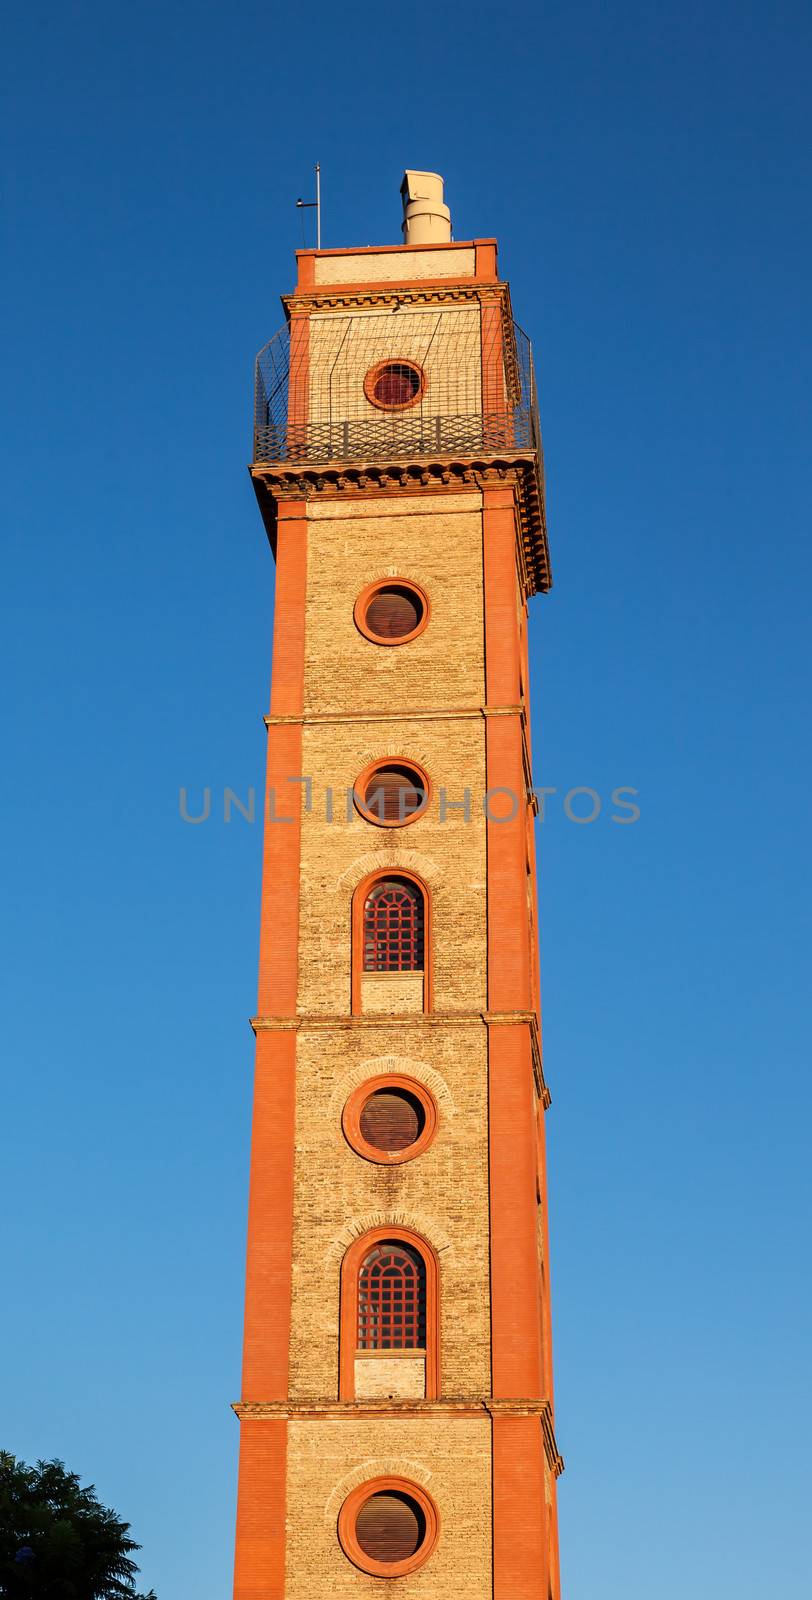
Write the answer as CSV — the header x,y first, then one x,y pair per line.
x,y
442,1193
392,993
449,1457
449,855
392,266
445,344
382,1377
434,539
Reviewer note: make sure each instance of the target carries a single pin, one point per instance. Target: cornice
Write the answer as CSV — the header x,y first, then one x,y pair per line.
x,y
311,1023
274,481
424,714
555,1460
425,292
357,1410
542,1087
306,1021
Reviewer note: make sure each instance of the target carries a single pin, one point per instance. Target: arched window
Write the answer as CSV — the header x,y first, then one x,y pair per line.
x,y
392,1298
389,1341
391,944
393,927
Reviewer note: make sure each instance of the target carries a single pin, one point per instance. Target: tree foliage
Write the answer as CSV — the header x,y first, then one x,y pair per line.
x,y
57,1541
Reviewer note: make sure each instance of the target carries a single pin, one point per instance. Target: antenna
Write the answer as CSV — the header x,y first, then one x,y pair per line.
x,y
310,205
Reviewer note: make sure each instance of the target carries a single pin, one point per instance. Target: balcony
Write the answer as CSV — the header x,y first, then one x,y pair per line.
x,y
357,439
477,416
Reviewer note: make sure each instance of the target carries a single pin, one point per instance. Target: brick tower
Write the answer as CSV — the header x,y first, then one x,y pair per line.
x,y
396,1413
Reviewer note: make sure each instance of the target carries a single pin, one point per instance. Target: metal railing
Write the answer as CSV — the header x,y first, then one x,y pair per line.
x,y
373,440
434,427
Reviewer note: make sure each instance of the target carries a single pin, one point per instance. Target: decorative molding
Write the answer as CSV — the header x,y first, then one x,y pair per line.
x,y
422,1019
388,1066
398,858
417,1222
423,292
542,1088
274,481
467,1406
373,1467
555,1460
359,1410
459,714
310,1023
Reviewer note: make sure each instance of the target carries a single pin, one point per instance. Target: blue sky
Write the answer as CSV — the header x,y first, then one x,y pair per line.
x,y
646,170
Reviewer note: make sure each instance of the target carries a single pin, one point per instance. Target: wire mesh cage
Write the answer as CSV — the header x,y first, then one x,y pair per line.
x,y
471,387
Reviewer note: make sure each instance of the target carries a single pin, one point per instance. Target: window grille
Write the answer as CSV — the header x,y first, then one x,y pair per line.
x,y
392,1299
393,927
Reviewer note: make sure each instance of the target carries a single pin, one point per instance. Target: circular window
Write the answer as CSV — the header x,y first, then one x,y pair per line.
x,y
391,613
390,1119
395,385
392,793
388,1527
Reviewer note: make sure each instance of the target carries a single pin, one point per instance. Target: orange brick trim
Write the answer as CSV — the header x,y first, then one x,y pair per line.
x,y
348,1326
348,1517
516,1356
279,923
270,1220
270,1208
520,1540
259,1567
509,955
501,619
516,1318
485,258
493,363
510,962
298,382
306,264
546,1309
351,1119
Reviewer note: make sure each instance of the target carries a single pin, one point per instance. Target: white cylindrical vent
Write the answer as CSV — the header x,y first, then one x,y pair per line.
x,y
425,219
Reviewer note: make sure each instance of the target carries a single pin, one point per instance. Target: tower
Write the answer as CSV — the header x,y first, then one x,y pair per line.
x,y
396,1414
